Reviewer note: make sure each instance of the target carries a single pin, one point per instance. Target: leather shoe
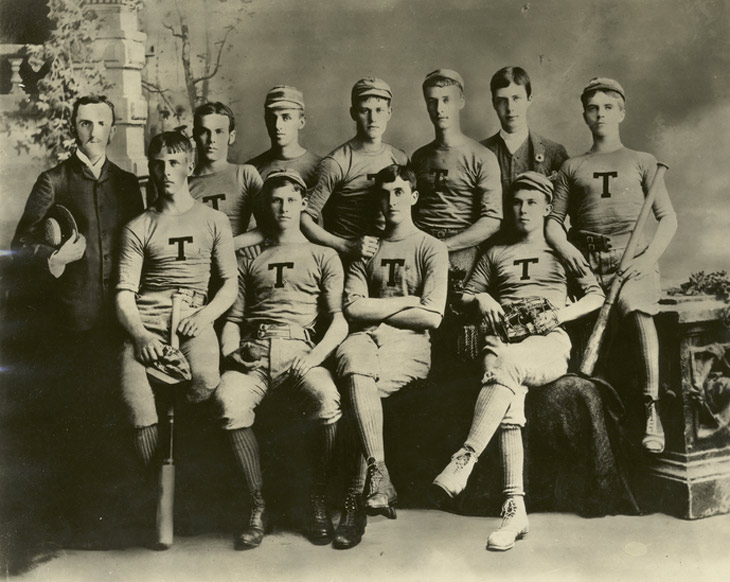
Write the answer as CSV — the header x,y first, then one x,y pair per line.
x,y
319,529
352,523
252,536
380,495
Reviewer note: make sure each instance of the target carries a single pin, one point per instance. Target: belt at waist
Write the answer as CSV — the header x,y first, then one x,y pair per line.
x,y
190,296
591,242
269,330
443,233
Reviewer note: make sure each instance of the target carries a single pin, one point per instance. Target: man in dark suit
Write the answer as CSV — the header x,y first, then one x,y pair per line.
x,y
519,149
77,346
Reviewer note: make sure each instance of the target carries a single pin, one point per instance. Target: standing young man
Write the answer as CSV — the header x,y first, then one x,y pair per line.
x,y
171,248
517,147
231,188
284,117
394,299
268,344
603,191
524,268
77,278
341,195
458,179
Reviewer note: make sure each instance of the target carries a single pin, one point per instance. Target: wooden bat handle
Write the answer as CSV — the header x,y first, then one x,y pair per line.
x,y
593,348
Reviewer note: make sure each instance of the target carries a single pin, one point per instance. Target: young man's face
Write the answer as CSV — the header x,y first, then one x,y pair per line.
x,y
169,171
371,115
603,113
94,130
396,200
511,104
286,206
212,137
283,125
530,208
444,105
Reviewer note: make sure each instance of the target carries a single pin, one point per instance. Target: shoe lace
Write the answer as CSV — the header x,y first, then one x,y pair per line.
x,y
509,510
350,509
463,459
374,476
319,506
651,417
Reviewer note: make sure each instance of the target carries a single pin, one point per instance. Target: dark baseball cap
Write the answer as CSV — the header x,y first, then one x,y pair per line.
x,y
534,181
603,84
371,87
284,97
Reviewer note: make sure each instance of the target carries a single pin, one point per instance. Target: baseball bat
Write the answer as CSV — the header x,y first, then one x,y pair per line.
x,y
166,486
595,342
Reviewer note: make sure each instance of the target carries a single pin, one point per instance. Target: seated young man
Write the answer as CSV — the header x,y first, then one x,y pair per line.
x,y
394,299
171,248
285,119
603,191
526,267
267,342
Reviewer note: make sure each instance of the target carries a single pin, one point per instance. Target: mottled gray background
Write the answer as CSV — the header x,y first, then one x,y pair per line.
x,y
672,57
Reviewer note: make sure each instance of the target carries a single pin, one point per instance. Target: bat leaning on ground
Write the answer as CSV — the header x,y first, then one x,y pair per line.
x,y
593,348
166,487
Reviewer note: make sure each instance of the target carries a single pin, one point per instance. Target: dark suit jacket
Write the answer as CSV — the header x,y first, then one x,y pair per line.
x,y
547,156
83,294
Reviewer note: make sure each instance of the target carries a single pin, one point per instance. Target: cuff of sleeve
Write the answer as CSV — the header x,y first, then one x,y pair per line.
x,y
54,268
126,287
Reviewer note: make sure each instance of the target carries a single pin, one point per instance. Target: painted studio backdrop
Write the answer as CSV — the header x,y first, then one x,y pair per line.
x,y
671,56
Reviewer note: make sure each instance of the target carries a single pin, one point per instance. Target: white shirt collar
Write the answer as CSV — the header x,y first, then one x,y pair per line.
x,y
95,169
514,141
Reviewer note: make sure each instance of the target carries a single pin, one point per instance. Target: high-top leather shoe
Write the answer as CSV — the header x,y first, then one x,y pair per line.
x,y
258,524
514,525
352,523
452,480
380,495
319,528
653,441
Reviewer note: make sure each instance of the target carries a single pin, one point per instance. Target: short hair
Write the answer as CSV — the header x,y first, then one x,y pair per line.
x,y
390,173
441,82
91,100
615,94
508,75
171,141
271,184
211,108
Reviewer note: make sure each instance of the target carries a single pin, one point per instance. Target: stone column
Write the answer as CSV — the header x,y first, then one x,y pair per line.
x,y
122,47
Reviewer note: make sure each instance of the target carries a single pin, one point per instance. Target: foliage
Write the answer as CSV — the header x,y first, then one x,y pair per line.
x,y
73,71
715,283
200,34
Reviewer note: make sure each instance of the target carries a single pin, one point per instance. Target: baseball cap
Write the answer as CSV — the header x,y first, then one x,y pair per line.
x,y
58,226
445,74
284,97
603,84
292,175
371,87
533,181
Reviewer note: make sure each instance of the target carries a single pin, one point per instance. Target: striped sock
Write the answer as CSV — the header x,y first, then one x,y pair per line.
x,y
365,402
246,451
513,459
145,443
492,403
323,448
649,346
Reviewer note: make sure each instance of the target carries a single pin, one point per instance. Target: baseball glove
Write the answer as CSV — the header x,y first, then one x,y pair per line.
x,y
172,367
530,316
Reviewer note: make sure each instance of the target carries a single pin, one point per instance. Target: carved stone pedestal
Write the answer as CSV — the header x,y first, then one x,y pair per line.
x,y
692,478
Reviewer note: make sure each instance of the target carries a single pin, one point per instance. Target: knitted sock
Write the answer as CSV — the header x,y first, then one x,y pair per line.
x,y
323,447
649,346
492,403
246,451
513,459
365,402
145,443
